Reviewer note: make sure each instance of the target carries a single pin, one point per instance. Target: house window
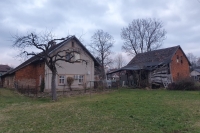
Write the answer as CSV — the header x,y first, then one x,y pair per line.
x,y
73,56
69,56
177,59
61,79
72,44
181,60
76,56
80,78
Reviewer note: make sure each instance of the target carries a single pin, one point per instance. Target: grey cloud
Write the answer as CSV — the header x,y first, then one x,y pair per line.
x,y
180,18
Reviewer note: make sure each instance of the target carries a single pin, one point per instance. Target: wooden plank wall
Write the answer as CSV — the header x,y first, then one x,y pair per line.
x,y
160,76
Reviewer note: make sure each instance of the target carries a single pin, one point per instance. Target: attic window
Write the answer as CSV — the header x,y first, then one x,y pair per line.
x,y
177,58
74,57
72,44
181,60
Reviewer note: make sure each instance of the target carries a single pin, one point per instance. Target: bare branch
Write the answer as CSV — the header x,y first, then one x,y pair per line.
x,y
102,42
193,59
142,35
44,43
119,61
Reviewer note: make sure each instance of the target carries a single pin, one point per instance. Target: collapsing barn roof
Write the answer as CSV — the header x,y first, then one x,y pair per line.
x,y
151,59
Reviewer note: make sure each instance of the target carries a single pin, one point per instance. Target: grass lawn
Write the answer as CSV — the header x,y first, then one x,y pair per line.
x,y
139,111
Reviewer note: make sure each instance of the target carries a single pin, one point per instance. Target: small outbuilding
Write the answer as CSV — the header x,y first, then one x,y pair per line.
x,y
195,74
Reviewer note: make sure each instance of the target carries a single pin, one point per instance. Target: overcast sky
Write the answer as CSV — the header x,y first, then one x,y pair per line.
x,y
181,19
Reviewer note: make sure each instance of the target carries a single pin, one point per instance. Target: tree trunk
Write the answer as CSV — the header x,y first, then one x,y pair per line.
x,y
104,78
103,72
53,86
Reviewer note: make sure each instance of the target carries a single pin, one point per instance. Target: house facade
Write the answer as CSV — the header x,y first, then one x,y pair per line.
x,y
82,72
195,74
3,70
34,70
158,67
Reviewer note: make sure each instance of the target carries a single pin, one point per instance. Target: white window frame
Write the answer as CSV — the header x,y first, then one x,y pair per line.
x,y
77,56
80,78
177,58
61,79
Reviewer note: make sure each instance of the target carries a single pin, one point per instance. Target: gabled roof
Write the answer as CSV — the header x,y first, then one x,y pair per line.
x,y
52,49
4,68
149,60
153,58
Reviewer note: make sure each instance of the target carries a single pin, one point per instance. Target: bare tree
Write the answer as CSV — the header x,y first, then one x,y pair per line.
x,y
192,59
44,43
142,35
119,61
101,43
198,61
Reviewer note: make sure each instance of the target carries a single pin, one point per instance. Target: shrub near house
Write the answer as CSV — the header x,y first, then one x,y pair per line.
x,y
184,84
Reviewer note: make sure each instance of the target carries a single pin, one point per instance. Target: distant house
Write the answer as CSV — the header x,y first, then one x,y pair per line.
x,y
113,76
34,70
158,67
4,69
195,74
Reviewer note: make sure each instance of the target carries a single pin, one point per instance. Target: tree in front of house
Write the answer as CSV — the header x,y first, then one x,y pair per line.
x,y
142,35
44,43
101,44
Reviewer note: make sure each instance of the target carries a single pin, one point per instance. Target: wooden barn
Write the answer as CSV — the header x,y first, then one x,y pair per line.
x,y
159,67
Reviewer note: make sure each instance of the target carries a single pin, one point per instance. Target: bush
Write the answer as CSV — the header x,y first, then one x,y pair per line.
x,y
70,81
184,84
